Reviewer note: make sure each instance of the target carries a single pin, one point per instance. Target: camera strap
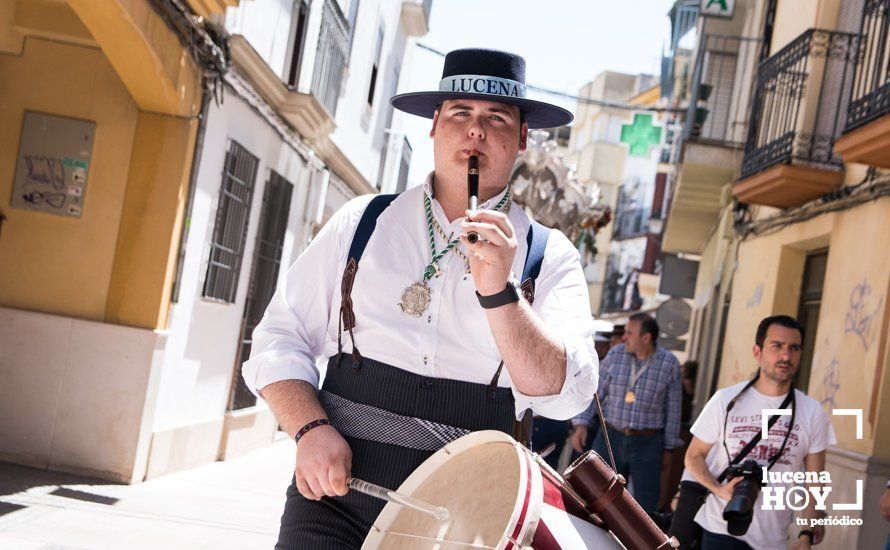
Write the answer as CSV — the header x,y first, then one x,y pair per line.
x,y
789,399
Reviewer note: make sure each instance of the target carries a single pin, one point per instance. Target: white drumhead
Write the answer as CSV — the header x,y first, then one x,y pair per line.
x,y
478,478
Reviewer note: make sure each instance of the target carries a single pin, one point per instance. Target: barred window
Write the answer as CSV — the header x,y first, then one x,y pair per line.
x,y
263,278
230,231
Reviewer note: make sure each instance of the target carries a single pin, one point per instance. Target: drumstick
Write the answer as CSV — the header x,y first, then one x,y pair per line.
x,y
473,190
383,493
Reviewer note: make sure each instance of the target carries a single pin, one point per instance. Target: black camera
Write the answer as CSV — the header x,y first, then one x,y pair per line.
x,y
739,510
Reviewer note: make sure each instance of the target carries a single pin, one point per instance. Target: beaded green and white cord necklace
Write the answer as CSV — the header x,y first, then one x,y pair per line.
x,y
416,298
447,238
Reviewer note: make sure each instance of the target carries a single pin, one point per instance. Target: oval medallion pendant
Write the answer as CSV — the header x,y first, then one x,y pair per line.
x,y
415,299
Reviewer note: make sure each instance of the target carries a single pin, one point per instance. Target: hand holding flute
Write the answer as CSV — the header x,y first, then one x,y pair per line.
x,y
488,235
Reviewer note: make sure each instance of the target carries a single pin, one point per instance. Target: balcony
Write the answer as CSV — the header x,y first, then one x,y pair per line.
x,y
673,143
303,112
710,148
332,56
631,223
799,97
866,136
416,16
721,89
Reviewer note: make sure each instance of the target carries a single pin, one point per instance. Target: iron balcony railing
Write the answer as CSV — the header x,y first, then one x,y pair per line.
x,y
720,91
629,223
870,97
332,56
683,17
673,142
799,100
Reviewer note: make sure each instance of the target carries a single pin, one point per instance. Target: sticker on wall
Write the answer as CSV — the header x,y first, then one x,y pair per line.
x,y
52,167
79,176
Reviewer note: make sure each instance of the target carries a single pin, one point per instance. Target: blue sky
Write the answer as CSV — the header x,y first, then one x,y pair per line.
x,y
565,43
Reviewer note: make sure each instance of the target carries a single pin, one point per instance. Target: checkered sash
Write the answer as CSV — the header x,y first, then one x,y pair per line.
x,y
375,424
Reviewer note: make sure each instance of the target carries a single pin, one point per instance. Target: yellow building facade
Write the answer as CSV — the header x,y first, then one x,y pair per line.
x,y
84,298
119,65
793,220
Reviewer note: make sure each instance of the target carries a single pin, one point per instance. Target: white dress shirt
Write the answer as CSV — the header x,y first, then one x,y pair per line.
x,y
452,339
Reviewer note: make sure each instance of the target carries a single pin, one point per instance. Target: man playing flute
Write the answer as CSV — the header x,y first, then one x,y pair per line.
x,y
427,336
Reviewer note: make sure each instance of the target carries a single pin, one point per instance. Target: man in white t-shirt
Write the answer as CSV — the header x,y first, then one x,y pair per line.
x,y
777,350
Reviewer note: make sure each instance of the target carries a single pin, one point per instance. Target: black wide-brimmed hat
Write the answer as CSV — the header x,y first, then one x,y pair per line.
x,y
489,75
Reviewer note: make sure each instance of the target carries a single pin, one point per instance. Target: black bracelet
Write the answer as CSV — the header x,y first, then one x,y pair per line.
x,y
808,534
506,296
310,425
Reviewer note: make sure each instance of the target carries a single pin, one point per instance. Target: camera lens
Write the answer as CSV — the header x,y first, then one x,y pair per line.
x,y
739,510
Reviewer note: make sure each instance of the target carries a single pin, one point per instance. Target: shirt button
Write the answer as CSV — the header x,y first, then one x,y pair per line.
x,y
429,318
425,359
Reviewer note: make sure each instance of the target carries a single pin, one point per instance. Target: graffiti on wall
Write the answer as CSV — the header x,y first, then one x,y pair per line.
x,y
862,312
831,383
756,297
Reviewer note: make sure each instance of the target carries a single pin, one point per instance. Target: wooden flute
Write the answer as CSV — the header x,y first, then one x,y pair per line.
x,y
473,192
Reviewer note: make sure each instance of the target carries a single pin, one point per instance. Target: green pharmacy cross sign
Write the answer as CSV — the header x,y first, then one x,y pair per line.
x,y
641,135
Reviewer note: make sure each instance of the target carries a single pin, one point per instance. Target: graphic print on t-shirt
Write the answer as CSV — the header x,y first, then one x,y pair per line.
x,y
743,428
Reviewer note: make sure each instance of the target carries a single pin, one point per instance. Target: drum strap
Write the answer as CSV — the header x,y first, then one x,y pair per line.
x,y
363,231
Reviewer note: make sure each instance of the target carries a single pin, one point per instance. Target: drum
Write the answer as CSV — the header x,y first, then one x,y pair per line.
x,y
498,495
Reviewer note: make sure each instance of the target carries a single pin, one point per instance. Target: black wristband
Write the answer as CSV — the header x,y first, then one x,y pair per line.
x,y
506,296
310,425
808,534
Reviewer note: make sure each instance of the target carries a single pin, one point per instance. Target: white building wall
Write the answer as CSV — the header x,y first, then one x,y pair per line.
x,y
359,132
359,129
204,335
81,386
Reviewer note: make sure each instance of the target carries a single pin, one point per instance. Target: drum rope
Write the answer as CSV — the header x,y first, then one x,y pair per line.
x,y
599,409
441,541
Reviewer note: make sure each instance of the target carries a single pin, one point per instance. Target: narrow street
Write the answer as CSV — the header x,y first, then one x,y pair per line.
x,y
232,504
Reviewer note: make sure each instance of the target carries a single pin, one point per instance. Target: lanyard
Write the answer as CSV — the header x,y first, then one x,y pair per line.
x,y
635,374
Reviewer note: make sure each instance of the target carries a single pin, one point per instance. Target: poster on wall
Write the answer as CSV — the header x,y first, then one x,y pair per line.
x,y
53,164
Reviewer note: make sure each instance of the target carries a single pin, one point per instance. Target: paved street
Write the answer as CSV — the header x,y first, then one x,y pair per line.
x,y
233,504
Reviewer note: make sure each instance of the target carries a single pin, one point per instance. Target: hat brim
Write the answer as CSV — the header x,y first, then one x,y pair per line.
x,y
537,113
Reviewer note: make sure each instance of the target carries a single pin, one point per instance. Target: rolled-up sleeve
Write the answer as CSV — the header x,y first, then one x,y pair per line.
x,y
293,330
563,305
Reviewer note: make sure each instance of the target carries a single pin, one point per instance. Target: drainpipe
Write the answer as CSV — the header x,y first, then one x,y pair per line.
x,y
206,97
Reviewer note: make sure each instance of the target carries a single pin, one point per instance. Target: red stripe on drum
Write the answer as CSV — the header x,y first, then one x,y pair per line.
x,y
544,539
553,495
525,503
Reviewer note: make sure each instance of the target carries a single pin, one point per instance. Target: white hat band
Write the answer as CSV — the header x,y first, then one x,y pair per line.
x,y
481,84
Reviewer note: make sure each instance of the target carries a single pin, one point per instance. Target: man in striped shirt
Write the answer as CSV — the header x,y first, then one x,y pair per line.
x,y
639,386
